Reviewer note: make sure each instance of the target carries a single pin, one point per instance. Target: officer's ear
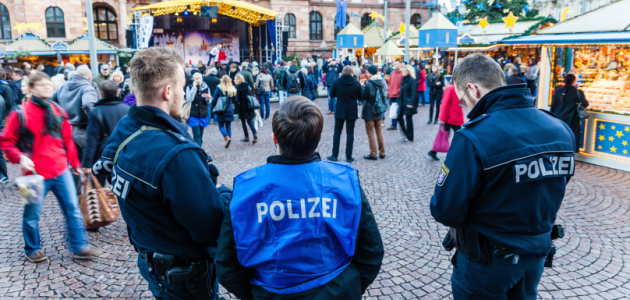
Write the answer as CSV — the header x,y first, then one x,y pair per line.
x,y
275,140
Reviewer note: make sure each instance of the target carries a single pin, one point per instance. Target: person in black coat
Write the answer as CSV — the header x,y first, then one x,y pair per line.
x,y
436,82
101,123
564,105
212,80
244,112
225,119
347,90
408,102
198,94
513,77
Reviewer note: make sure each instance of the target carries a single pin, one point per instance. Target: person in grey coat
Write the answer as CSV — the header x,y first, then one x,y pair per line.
x,y
77,97
375,85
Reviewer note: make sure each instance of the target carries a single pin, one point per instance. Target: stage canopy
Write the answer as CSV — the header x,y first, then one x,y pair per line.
x,y
244,11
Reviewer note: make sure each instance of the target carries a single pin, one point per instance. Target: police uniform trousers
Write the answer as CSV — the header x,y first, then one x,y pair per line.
x,y
161,289
498,280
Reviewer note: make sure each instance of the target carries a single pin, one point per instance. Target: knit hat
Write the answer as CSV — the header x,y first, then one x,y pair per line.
x,y
373,69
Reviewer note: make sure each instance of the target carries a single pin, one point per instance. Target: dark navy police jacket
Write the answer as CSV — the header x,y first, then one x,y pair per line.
x,y
506,172
298,229
163,186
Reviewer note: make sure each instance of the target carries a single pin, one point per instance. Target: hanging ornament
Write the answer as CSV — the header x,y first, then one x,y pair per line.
x,y
490,2
506,10
483,23
523,13
510,20
481,7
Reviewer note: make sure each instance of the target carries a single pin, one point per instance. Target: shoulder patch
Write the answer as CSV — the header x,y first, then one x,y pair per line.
x,y
477,120
442,175
177,136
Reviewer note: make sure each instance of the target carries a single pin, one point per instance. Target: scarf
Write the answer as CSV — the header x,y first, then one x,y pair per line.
x,y
53,121
192,91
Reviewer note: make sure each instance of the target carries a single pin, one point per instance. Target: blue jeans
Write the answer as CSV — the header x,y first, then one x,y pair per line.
x,y
421,98
332,102
226,128
66,193
392,101
282,95
163,290
264,104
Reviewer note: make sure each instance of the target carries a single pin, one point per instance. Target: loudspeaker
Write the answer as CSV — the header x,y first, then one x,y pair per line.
x,y
285,42
129,36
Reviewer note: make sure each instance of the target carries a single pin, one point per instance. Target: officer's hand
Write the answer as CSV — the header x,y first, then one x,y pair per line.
x,y
214,173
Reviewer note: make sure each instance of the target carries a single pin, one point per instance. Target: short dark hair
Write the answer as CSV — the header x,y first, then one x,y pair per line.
x,y
109,88
36,77
263,69
18,72
478,68
3,73
298,125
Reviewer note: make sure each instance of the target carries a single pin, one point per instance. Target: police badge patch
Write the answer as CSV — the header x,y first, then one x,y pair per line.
x,y
442,175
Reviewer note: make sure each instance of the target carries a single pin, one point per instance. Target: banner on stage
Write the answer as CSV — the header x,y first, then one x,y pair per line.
x,y
195,46
146,29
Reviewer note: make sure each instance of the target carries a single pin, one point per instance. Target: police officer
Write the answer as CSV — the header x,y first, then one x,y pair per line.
x,y
163,183
298,227
501,185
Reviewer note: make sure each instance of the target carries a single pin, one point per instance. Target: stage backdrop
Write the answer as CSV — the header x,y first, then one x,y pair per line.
x,y
196,45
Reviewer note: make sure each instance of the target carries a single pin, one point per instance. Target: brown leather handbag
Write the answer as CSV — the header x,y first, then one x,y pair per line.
x,y
99,205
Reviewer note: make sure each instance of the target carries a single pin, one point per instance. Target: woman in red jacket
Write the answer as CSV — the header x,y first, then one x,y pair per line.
x,y
422,86
451,114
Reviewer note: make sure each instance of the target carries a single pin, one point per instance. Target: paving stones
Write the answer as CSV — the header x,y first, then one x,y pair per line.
x,y
593,260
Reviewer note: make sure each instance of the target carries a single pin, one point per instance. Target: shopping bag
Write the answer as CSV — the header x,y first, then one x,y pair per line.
x,y
31,188
99,205
258,120
220,106
186,110
441,140
393,111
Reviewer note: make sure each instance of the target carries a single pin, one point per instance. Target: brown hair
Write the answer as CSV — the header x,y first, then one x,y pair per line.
x,y
298,125
152,69
347,70
36,77
478,68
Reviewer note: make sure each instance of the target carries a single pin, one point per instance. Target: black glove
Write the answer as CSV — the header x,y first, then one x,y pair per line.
x,y
214,173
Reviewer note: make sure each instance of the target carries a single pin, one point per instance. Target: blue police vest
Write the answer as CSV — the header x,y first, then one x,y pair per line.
x,y
296,225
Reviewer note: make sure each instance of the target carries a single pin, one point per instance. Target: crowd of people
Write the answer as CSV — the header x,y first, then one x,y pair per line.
x,y
129,127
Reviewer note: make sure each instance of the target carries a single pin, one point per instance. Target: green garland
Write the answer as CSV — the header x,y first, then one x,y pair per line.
x,y
17,54
521,19
534,27
25,35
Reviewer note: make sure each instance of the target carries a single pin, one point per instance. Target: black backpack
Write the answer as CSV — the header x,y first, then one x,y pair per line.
x,y
293,83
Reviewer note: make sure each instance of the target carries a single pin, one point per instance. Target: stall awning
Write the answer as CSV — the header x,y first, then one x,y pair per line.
x,y
389,49
573,39
373,35
612,17
29,42
241,10
81,46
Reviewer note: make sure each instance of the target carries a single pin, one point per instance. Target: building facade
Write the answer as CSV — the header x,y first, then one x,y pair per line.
x,y
555,8
309,23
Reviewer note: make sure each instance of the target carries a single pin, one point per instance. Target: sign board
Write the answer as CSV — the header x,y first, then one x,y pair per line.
x,y
59,46
12,60
209,11
323,44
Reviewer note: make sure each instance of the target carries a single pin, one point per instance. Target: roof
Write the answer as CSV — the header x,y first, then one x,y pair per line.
x,y
497,31
27,42
373,35
350,29
241,10
389,49
82,44
574,38
439,21
612,17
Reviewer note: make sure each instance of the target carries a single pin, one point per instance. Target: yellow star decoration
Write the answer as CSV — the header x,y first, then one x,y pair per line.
x,y
627,129
613,149
483,23
619,134
613,127
601,138
625,151
510,20
401,28
624,143
602,126
611,138
599,147
375,15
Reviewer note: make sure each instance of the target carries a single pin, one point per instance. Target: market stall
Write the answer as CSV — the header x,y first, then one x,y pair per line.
x,y
388,52
437,33
373,38
349,39
77,50
596,47
29,48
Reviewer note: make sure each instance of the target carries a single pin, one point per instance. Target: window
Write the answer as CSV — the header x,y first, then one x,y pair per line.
x,y
105,25
337,29
315,26
54,22
5,23
365,20
289,20
416,20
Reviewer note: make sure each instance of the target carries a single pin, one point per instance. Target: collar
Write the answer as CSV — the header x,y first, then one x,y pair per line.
x,y
504,97
154,116
283,160
108,101
376,77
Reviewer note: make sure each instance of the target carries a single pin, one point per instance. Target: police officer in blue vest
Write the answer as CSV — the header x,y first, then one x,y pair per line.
x,y
501,185
298,227
163,183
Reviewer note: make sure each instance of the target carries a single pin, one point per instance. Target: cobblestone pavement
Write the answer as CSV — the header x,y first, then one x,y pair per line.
x,y
593,260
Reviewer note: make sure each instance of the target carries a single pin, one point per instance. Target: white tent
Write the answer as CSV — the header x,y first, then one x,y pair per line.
x,y
612,17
